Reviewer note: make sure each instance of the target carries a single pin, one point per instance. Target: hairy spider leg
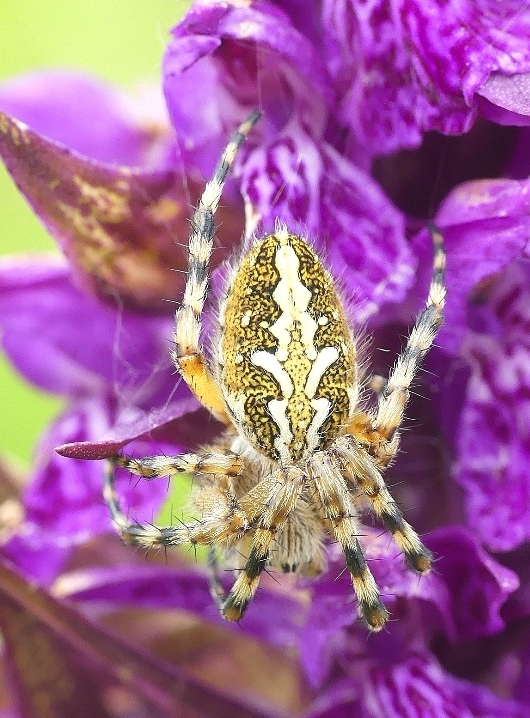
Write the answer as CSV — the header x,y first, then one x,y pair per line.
x,y
378,431
337,509
268,507
187,355
393,399
223,521
154,467
361,470
217,591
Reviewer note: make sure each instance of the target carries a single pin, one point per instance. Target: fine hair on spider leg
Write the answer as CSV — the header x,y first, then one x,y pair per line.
x,y
300,446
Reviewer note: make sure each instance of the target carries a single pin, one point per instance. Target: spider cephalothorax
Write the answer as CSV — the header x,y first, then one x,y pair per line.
x,y
298,450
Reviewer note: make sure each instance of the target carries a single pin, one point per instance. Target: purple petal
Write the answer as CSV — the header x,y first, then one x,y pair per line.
x,y
414,687
282,180
365,235
305,17
485,199
317,192
332,608
405,67
82,113
483,703
37,554
494,440
78,345
322,636
407,681
418,687
239,56
506,100
341,700
518,605
479,585
118,226
181,421
486,226
63,500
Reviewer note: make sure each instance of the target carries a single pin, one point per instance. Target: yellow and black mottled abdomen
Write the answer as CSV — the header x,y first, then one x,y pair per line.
x,y
286,355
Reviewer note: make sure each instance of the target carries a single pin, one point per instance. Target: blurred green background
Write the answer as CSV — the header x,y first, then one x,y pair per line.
x,y
122,41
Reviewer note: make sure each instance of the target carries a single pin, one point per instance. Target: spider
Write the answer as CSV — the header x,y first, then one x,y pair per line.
x,y
299,449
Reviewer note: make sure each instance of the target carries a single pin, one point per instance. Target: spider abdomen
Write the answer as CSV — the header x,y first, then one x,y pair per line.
x,y
293,461
287,359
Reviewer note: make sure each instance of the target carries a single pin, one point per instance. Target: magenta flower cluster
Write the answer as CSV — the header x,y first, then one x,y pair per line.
x,y
378,116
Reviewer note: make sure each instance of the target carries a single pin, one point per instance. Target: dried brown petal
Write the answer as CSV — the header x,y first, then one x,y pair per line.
x,y
123,229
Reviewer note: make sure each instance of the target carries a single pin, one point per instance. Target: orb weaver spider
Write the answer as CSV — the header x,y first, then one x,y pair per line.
x,y
299,448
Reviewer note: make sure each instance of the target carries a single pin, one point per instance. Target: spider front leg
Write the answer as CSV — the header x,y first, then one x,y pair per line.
x,y
188,356
336,507
360,469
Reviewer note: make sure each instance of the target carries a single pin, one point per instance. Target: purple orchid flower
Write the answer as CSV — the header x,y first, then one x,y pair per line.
x,y
343,86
